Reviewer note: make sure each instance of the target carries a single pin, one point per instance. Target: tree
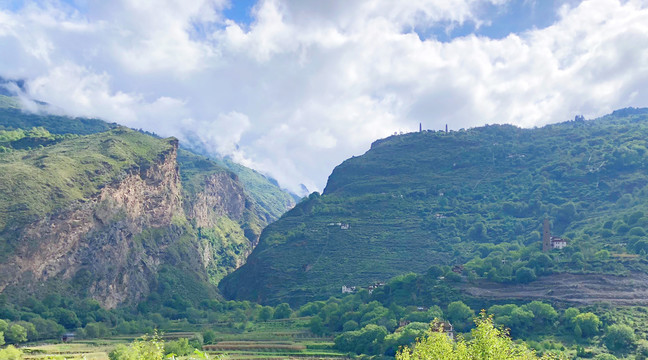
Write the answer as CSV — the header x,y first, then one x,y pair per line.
x,y
316,325
544,314
180,347
67,318
266,313
525,275
486,343
367,340
145,349
209,336
283,311
96,330
478,232
460,315
619,337
10,353
435,271
15,334
588,323
350,326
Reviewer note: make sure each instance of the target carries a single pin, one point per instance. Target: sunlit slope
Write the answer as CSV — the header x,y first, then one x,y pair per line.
x,y
429,198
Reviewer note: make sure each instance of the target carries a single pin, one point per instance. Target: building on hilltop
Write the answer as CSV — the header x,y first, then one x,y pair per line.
x,y
348,289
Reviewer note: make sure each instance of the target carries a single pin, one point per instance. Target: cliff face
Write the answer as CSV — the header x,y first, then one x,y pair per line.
x,y
103,215
221,195
95,236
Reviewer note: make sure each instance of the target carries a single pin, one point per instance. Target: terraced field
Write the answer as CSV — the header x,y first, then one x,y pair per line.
x,y
275,339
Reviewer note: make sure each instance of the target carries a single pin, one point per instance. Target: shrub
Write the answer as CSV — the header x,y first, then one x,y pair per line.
x,y
10,353
525,275
619,337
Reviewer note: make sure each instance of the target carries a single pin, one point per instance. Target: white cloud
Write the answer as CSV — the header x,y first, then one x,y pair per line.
x,y
309,83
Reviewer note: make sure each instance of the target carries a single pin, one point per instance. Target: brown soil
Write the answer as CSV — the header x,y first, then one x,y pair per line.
x,y
573,288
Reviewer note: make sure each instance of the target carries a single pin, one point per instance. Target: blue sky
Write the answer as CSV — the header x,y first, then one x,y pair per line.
x,y
499,20
295,87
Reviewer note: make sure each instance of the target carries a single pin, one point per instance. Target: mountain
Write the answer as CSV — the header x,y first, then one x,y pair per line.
x,y
471,199
97,210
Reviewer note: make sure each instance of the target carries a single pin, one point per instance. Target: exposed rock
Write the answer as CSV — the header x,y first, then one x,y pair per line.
x,y
98,236
221,195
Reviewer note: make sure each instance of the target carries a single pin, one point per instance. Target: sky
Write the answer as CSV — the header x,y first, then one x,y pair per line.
x,y
294,87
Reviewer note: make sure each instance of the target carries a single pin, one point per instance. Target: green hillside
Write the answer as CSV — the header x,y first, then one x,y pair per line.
x,y
107,184
474,197
44,180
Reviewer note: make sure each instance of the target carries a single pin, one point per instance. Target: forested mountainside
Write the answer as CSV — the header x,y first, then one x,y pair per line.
x,y
93,209
471,199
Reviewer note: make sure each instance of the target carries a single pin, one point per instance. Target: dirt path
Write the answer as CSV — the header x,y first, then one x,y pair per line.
x,y
582,289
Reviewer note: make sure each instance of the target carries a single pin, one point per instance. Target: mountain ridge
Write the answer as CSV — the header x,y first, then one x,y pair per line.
x,y
473,197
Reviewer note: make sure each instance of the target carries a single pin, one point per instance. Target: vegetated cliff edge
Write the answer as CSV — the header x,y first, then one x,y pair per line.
x,y
116,217
474,197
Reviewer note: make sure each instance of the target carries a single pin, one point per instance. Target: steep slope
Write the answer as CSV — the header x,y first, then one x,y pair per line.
x,y
117,214
95,216
476,197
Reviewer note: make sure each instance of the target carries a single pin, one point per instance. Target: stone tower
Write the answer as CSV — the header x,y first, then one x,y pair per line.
x,y
546,236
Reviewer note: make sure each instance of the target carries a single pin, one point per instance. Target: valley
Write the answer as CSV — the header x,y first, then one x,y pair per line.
x,y
108,234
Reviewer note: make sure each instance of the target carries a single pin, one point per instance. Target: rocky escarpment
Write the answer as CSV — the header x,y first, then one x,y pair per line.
x,y
220,195
106,213
226,220
94,239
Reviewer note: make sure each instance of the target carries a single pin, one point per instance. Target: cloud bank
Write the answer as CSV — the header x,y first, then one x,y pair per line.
x,y
307,84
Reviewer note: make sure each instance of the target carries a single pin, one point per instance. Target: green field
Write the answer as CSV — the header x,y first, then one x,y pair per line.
x,y
275,339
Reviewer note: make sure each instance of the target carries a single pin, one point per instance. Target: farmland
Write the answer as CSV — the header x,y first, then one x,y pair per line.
x,y
274,339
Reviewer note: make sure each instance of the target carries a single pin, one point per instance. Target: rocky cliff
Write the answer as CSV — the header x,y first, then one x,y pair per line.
x,y
102,215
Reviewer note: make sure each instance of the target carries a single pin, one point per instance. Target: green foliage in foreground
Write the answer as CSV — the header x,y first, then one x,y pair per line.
x,y
486,342
10,353
154,348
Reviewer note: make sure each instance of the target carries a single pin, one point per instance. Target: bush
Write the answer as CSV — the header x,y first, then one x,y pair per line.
x,y
209,336
350,326
10,353
145,349
525,275
96,330
460,315
180,347
486,342
619,337
15,334
605,357
283,311
588,323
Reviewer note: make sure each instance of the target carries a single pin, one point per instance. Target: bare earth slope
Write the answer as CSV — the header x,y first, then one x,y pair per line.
x,y
582,289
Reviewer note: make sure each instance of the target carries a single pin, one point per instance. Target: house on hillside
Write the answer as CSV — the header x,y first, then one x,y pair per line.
x,y
446,327
550,242
375,286
348,289
558,243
